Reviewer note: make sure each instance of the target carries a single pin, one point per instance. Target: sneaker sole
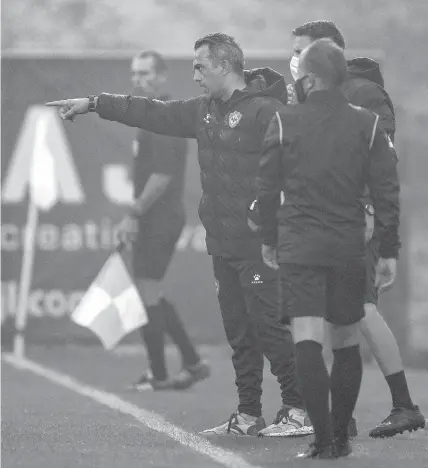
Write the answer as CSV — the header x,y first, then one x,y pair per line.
x,y
234,431
141,388
209,432
298,433
393,432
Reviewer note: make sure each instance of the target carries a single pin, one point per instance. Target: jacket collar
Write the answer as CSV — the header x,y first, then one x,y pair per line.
x,y
327,96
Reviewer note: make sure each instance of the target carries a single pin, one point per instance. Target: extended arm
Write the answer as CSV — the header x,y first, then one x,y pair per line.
x,y
173,118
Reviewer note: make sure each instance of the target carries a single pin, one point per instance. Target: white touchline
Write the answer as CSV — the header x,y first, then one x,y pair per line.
x,y
151,420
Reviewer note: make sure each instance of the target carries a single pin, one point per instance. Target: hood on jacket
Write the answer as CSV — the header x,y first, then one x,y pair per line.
x,y
363,67
266,82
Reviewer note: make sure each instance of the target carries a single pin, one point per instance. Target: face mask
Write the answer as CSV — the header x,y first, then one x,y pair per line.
x,y
294,67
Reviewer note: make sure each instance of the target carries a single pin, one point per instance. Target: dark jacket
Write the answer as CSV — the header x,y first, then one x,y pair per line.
x,y
364,87
230,137
322,154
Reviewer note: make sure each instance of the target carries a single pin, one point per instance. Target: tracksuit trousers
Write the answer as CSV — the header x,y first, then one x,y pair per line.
x,y
249,297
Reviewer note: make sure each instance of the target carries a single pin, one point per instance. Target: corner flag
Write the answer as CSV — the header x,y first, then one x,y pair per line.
x,y
43,180
43,196
112,306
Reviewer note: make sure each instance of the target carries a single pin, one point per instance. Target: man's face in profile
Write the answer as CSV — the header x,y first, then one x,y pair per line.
x,y
207,72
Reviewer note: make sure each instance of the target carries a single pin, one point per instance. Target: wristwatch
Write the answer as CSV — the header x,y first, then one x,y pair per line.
x,y
92,104
369,210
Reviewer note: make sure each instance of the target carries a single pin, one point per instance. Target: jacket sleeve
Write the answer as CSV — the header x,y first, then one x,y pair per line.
x,y
371,97
173,118
269,181
384,191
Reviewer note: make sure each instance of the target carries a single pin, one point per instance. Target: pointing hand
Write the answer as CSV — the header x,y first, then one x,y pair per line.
x,y
69,108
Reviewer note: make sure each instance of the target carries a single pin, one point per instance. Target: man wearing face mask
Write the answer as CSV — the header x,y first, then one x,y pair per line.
x,y
322,154
363,87
152,228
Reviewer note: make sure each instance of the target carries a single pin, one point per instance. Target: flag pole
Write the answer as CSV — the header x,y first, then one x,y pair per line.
x,y
25,279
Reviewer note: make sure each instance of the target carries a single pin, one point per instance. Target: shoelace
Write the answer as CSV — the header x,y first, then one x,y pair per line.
x,y
232,416
283,412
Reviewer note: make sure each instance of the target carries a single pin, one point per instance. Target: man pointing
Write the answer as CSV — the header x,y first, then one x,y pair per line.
x,y
229,123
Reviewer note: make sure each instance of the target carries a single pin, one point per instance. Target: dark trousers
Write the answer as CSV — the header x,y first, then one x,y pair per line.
x,y
248,294
164,320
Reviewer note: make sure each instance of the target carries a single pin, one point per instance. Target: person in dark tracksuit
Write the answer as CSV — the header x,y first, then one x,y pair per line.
x,y
229,123
322,153
153,227
364,86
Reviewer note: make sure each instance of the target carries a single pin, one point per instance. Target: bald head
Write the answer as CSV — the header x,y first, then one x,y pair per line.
x,y
326,61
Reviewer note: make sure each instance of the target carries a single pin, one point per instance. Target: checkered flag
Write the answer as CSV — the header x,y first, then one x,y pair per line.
x,y
112,306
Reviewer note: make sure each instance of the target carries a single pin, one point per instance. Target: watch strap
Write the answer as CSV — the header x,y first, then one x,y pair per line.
x,y
92,106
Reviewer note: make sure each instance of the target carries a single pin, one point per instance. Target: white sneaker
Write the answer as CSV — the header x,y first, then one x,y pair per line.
x,y
289,422
238,424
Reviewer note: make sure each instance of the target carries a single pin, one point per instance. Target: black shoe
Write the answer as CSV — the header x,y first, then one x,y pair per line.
x,y
343,447
148,382
317,452
399,420
189,375
352,428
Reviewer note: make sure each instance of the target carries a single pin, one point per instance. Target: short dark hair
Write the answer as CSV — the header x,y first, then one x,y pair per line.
x,y
159,61
319,30
223,47
326,60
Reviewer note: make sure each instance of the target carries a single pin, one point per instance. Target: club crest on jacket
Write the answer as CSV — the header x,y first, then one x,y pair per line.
x,y
208,118
234,119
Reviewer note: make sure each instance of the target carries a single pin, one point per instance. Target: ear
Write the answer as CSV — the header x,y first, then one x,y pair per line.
x,y
226,67
311,80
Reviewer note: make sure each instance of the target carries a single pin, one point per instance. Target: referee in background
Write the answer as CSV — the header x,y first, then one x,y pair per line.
x,y
153,226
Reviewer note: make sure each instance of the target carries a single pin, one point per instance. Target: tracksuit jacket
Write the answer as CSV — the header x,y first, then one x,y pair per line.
x,y
322,154
364,87
230,137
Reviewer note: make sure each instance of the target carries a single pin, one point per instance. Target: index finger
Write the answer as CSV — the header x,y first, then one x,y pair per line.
x,y
56,103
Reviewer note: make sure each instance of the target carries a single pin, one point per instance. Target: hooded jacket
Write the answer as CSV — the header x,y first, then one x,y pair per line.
x,y
230,137
364,87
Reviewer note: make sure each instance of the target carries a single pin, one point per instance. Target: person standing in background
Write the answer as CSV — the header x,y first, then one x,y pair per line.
x,y
152,226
